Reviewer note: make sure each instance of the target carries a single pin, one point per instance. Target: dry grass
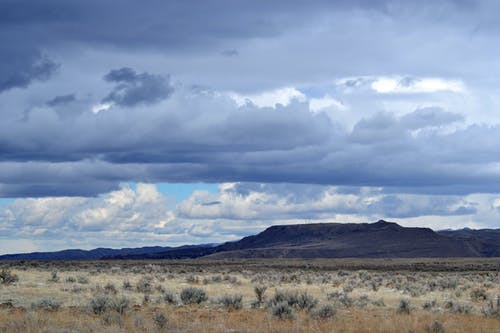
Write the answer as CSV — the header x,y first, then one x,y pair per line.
x,y
460,298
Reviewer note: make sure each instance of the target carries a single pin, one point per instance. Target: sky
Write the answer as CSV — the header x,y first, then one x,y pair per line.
x,y
139,123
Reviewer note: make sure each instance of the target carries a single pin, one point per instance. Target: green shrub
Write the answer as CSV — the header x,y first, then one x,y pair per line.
x,y
492,308
260,293
103,303
478,295
54,277
82,279
110,288
160,319
326,311
192,295
70,279
169,297
127,285
306,302
231,301
404,306
144,285
100,304
48,304
301,301
119,304
282,310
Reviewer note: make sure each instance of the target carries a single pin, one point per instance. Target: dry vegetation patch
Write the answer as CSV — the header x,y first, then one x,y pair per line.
x,y
193,296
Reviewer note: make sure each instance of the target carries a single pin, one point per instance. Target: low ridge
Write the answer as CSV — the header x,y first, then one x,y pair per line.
x,y
381,239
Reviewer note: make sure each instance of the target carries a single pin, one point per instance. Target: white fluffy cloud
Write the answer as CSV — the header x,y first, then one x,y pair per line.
x,y
144,216
401,84
411,85
269,98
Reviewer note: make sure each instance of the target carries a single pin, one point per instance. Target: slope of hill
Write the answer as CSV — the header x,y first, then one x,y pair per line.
x,y
487,240
343,240
370,240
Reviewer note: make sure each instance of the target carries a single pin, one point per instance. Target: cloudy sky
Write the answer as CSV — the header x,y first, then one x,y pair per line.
x,y
172,122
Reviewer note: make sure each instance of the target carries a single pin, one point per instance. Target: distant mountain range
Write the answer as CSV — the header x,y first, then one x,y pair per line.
x,y
320,240
97,254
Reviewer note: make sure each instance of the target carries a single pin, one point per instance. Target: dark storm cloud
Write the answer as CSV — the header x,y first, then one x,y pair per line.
x,y
181,24
28,28
192,138
136,88
34,32
21,66
196,135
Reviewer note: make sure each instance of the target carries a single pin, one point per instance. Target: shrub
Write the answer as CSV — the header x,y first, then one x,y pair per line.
x,y
119,304
127,285
260,291
283,296
110,288
99,304
478,295
82,279
492,308
70,279
340,298
160,319
54,277
144,285
76,289
345,300
7,277
333,296
216,278
231,301
429,305
193,295
192,279
404,306
282,310
169,297
362,301
347,289
302,301
324,312
102,303
457,307
306,302
48,304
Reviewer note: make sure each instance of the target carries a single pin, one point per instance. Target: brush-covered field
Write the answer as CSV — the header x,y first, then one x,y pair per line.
x,y
340,295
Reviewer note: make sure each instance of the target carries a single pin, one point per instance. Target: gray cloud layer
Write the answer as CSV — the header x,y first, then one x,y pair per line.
x,y
132,88
421,136
193,137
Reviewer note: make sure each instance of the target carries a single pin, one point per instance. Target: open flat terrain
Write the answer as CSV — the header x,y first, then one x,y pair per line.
x,y
278,295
